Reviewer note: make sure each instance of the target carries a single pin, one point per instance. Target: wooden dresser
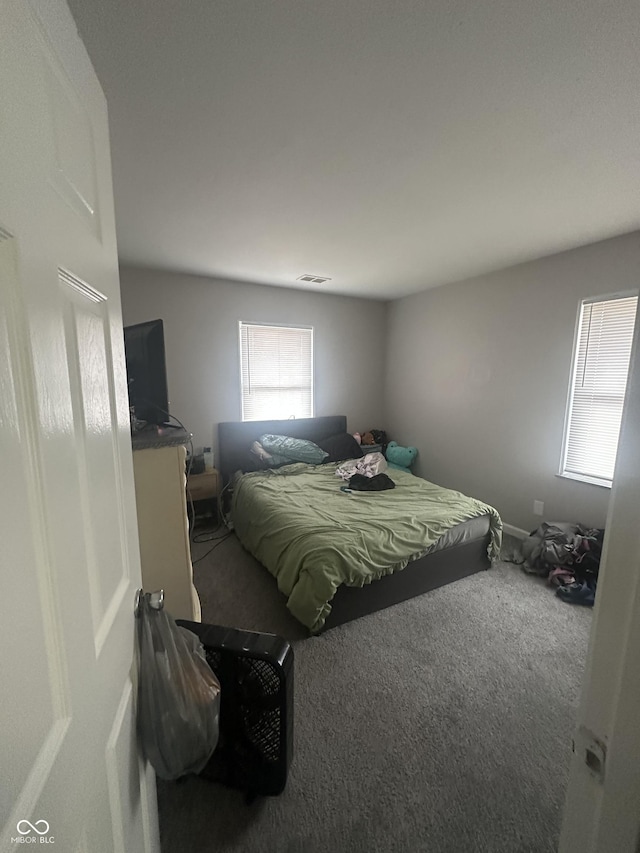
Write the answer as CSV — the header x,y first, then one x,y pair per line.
x,y
163,527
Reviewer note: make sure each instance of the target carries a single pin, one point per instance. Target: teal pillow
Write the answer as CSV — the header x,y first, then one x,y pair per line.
x,y
295,449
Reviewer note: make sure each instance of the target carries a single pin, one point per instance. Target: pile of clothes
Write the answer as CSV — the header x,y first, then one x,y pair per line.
x,y
568,555
365,474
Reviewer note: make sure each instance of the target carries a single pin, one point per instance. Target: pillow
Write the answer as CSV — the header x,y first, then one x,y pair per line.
x,y
340,447
293,449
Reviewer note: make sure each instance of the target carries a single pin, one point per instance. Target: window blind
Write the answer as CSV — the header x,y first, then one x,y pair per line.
x,y
276,372
598,386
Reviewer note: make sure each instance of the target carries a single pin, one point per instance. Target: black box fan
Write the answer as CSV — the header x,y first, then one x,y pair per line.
x,y
255,672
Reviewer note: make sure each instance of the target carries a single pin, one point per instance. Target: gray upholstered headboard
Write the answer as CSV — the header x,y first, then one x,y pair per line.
x,y
236,437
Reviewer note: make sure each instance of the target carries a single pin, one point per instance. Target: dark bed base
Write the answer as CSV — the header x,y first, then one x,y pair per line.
x,y
420,576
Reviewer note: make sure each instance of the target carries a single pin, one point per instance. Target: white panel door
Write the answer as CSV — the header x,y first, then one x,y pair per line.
x,y
71,773
602,805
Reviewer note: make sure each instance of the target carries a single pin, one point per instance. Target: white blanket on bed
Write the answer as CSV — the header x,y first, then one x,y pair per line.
x,y
369,465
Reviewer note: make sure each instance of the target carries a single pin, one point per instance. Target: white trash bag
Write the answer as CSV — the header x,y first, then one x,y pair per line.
x,y
178,694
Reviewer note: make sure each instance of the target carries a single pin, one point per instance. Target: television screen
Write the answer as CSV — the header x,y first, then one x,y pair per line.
x,y
147,372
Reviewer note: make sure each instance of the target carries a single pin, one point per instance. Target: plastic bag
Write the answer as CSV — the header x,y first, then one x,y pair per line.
x,y
178,695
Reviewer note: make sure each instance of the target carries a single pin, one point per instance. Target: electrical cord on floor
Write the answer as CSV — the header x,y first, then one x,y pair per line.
x,y
223,521
220,522
218,543
226,519
209,535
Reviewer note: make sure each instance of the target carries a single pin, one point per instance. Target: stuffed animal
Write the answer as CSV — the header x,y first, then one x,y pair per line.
x,y
400,457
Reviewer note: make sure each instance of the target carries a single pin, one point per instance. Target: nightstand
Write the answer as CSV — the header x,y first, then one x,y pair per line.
x,y
204,487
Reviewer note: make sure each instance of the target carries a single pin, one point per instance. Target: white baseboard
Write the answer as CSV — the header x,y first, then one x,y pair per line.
x,y
515,531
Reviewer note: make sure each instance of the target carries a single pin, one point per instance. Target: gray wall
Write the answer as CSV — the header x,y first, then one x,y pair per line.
x,y
201,336
477,378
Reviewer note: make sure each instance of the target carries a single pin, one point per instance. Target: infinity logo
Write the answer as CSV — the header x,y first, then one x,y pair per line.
x,y
33,827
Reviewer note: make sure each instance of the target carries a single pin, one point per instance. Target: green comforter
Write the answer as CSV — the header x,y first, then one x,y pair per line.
x,y
314,537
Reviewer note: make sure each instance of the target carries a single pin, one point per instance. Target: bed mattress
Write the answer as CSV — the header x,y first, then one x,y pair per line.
x,y
314,538
465,531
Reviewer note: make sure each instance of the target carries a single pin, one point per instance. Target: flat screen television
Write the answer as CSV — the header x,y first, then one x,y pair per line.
x,y
146,372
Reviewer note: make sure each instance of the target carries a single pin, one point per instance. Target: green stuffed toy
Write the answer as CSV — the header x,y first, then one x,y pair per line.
x,y
400,457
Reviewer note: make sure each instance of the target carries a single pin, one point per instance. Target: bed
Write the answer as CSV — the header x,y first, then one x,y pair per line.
x,y
339,556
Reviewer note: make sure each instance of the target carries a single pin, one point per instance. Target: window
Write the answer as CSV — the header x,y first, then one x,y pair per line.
x,y
598,384
276,364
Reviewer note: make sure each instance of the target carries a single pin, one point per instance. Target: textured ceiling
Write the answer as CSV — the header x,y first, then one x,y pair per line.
x,y
392,145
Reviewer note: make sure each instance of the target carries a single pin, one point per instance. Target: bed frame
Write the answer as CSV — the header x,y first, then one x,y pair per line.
x,y
429,572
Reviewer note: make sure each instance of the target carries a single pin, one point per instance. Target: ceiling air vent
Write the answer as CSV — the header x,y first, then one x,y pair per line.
x,y
315,279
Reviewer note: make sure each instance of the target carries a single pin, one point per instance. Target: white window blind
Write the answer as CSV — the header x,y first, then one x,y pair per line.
x,y
598,385
276,372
